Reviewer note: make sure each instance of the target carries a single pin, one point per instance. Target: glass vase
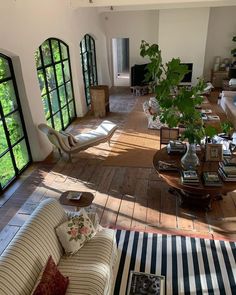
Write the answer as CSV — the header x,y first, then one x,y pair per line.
x,y
190,160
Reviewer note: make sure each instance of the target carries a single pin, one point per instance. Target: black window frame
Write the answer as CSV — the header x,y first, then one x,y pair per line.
x,y
43,67
89,65
3,118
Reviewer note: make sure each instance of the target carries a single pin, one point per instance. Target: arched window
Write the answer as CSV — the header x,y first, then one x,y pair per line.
x,y
14,148
89,64
55,81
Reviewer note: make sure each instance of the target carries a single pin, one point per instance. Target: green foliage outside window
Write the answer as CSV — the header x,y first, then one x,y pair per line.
x,y
14,155
54,76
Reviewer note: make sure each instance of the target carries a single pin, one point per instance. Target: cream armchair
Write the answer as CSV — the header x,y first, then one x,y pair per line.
x,y
69,144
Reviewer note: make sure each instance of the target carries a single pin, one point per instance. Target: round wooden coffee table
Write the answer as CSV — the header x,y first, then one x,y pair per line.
x,y
191,195
85,200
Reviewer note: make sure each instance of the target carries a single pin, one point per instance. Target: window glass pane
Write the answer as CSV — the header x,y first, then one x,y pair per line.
x,y
50,78
91,79
64,51
41,80
95,82
66,70
49,122
54,101
21,155
14,127
59,74
86,78
85,61
62,94
45,106
87,39
55,50
83,48
3,141
65,117
7,97
47,58
93,59
57,121
69,91
92,44
7,169
85,65
71,110
37,58
88,94
4,68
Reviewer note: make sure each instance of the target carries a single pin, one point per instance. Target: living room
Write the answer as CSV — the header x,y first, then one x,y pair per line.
x,y
128,194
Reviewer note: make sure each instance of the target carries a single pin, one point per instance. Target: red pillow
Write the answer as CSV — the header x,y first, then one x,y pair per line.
x,y
52,281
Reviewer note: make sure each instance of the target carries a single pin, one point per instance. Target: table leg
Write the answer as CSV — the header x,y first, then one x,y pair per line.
x,y
192,200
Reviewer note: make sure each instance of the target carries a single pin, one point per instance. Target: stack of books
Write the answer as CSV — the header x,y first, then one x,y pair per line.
x,y
213,118
176,146
206,111
190,177
211,179
167,166
227,170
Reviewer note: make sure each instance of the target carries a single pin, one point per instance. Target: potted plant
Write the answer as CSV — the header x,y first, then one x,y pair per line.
x,y
177,107
233,51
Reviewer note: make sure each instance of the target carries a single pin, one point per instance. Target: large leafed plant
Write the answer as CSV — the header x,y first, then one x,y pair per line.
x,y
177,107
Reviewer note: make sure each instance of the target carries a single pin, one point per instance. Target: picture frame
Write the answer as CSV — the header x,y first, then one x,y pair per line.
x,y
214,152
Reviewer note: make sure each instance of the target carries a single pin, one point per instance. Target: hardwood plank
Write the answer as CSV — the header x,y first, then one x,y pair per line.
x,y
153,203
185,219
140,208
99,203
110,212
124,219
106,180
168,216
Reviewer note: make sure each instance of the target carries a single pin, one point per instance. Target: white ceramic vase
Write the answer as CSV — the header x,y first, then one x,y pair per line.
x,y
190,160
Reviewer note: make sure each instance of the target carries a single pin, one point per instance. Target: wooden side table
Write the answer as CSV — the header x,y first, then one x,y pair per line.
x,y
85,200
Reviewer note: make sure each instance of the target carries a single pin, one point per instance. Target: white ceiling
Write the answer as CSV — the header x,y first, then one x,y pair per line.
x,y
150,4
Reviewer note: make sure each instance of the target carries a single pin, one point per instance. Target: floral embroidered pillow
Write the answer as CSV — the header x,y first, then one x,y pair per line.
x,y
75,232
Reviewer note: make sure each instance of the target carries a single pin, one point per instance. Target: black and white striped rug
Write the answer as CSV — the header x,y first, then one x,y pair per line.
x,y
190,265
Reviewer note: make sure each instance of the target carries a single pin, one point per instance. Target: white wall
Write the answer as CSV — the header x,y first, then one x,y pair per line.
x,y
183,33
135,25
24,25
222,28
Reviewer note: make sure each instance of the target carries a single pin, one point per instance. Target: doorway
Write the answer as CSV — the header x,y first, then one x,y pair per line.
x,y
120,54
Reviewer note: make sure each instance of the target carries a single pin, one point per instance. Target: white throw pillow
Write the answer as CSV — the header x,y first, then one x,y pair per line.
x,y
74,232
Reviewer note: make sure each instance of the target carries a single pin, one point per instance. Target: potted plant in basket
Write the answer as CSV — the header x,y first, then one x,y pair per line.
x,y
177,107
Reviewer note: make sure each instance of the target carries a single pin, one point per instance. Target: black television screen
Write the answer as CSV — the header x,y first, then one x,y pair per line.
x,y
232,73
188,77
138,75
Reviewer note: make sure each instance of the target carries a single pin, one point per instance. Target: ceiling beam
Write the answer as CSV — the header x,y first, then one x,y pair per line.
x,y
151,4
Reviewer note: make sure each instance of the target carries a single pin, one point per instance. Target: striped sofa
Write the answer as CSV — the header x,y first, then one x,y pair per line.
x,y
90,270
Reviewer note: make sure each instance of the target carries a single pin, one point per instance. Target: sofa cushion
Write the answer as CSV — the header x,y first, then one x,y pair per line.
x,y
52,281
74,232
91,269
104,130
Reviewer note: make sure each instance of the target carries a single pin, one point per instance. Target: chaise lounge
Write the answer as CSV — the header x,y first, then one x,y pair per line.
x,y
70,144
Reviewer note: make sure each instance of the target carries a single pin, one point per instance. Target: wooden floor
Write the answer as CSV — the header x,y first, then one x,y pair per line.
x,y
125,197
